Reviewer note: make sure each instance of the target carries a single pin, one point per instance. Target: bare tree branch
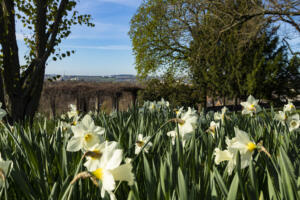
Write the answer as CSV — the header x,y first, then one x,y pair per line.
x,y
289,47
53,32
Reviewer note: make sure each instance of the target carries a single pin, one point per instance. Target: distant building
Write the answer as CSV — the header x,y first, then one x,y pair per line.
x,y
74,79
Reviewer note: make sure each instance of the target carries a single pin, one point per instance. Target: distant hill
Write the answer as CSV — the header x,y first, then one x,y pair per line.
x,y
109,78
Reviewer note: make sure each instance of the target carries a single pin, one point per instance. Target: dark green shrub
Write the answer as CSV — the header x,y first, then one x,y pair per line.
x,y
176,92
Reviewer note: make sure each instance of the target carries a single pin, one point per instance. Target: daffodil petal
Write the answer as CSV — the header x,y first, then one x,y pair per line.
x,y
108,181
74,144
115,160
123,173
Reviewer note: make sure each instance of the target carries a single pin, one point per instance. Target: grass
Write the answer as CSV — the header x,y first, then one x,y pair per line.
x,y
43,169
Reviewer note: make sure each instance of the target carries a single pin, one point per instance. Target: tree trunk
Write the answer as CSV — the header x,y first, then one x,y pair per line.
x,y
25,106
2,99
24,87
26,103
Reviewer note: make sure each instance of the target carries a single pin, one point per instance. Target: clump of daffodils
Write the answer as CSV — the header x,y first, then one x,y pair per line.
x,y
154,106
103,158
288,117
221,116
150,106
213,128
250,106
5,168
104,164
110,170
73,111
163,104
141,142
95,153
179,111
290,107
86,135
240,143
281,116
70,119
187,123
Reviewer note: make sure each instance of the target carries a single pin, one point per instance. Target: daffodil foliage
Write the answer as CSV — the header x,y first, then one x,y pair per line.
x,y
154,152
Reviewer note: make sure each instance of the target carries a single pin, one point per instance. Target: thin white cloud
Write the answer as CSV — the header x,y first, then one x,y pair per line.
x,y
101,31
87,5
104,47
133,3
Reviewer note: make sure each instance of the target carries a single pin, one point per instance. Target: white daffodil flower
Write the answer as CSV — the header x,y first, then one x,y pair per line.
x,y
213,128
188,122
110,171
2,112
152,106
240,143
5,167
65,127
244,145
140,143
281,116
186,126
293,122
173,135
63,116
250,106
222,155
73,111
96,152
75,120
290,107
184,138
225,155
178,112
221,116
86,135
162,103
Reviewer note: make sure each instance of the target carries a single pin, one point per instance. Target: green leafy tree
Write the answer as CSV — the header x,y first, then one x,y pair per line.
x,y
184,34
288,80
189,34
161,31
218,67
48,22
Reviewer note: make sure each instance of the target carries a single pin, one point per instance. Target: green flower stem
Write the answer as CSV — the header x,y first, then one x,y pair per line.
x,y
151,139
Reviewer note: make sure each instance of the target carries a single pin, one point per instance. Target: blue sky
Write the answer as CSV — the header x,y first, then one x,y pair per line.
x,y
106,48
102,50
